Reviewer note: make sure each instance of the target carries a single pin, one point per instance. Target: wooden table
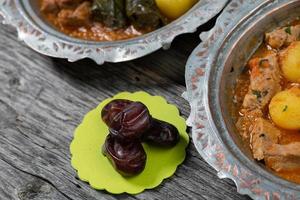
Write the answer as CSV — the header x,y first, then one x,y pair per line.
x,y
43,99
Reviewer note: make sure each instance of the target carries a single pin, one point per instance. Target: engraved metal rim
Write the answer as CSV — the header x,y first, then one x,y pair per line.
x,y
62,46
206,137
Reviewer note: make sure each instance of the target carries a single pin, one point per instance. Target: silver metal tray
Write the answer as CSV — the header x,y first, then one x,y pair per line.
x,y
211,72
40,36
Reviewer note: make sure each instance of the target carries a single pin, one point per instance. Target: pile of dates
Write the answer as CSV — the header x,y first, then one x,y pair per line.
x,y
130,124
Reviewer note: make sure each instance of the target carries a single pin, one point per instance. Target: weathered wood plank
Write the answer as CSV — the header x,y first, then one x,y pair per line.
x,y
26,186
43,99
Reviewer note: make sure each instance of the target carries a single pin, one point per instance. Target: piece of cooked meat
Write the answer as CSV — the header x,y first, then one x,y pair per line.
x,y
263,135
264,144
291,149
246,121
75,18
283,163
283,37
264,82
49,6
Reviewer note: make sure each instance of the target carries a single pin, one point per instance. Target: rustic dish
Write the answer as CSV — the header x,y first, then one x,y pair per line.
x,y
211,75
40,36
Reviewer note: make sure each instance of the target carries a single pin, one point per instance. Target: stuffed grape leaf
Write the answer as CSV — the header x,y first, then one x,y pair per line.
x,y
110,12
144,14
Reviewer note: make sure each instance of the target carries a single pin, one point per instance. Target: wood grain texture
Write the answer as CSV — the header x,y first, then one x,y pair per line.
x,y
43,99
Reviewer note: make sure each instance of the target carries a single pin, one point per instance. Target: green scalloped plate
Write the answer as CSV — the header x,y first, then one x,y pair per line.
x,y
95,168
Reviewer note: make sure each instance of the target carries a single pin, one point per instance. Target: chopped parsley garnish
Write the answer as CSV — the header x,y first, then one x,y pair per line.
x,y
262,135
285,108
288,30
264,63
256,93
265,93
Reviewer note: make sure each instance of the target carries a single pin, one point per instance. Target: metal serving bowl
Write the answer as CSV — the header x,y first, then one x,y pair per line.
x,y
42,37
211,74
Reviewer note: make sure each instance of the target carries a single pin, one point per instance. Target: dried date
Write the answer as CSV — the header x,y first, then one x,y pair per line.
x,y
128,158
131,122
112,109
161,134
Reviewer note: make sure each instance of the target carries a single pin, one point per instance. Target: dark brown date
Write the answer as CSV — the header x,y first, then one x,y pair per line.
x,y
112,109
131,122
128,158
161,134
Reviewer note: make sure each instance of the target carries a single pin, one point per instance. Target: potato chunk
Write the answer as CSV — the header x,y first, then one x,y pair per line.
x,y
285,109
174,8
290,62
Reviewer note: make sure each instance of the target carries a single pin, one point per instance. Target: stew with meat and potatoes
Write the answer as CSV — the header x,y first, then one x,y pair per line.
x,y
110,20
267,97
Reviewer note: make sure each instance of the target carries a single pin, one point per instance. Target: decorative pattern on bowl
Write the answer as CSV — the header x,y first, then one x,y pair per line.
x,y
39,38
211,136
